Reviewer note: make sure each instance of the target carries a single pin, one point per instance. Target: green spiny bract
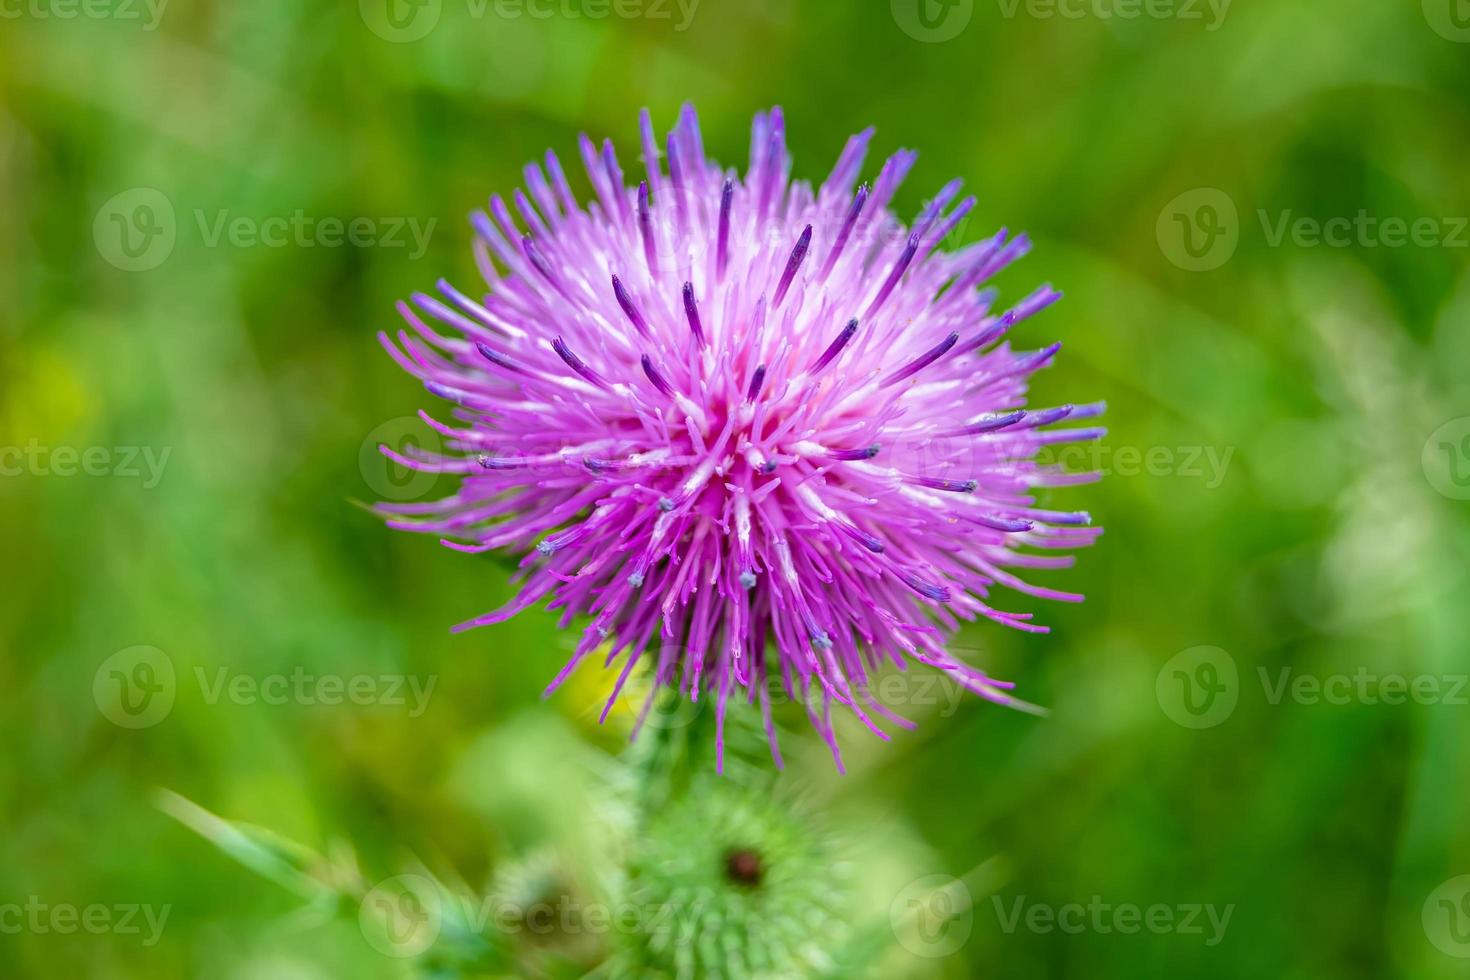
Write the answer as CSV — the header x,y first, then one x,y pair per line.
x,y
732,882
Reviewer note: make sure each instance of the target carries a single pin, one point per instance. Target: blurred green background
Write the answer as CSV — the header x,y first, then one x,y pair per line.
x,y
189,405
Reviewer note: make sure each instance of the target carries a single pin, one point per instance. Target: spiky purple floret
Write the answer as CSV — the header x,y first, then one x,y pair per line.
x,y
693,461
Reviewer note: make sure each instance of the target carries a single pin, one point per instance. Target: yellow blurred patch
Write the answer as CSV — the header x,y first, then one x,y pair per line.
x,y
586,692
45,398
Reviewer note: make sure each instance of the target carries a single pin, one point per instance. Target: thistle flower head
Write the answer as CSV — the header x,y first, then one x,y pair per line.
x,y
757,433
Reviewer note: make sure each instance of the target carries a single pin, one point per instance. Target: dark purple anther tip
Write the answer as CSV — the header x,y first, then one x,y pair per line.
x,y
868,541
835,348
1048,416
995,422
854,455
936,592
537,260
610,165
1091,410
441,391
923,361
756,381
722,250
495,357
899,268
575,363
658,379
631,311
927,589
691,311
1010,525
1035,360
665,504
847,225
768,467
793,263
645,227
949,486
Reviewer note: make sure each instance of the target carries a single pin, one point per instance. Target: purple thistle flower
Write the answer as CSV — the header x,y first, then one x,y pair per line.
x,y
764,436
